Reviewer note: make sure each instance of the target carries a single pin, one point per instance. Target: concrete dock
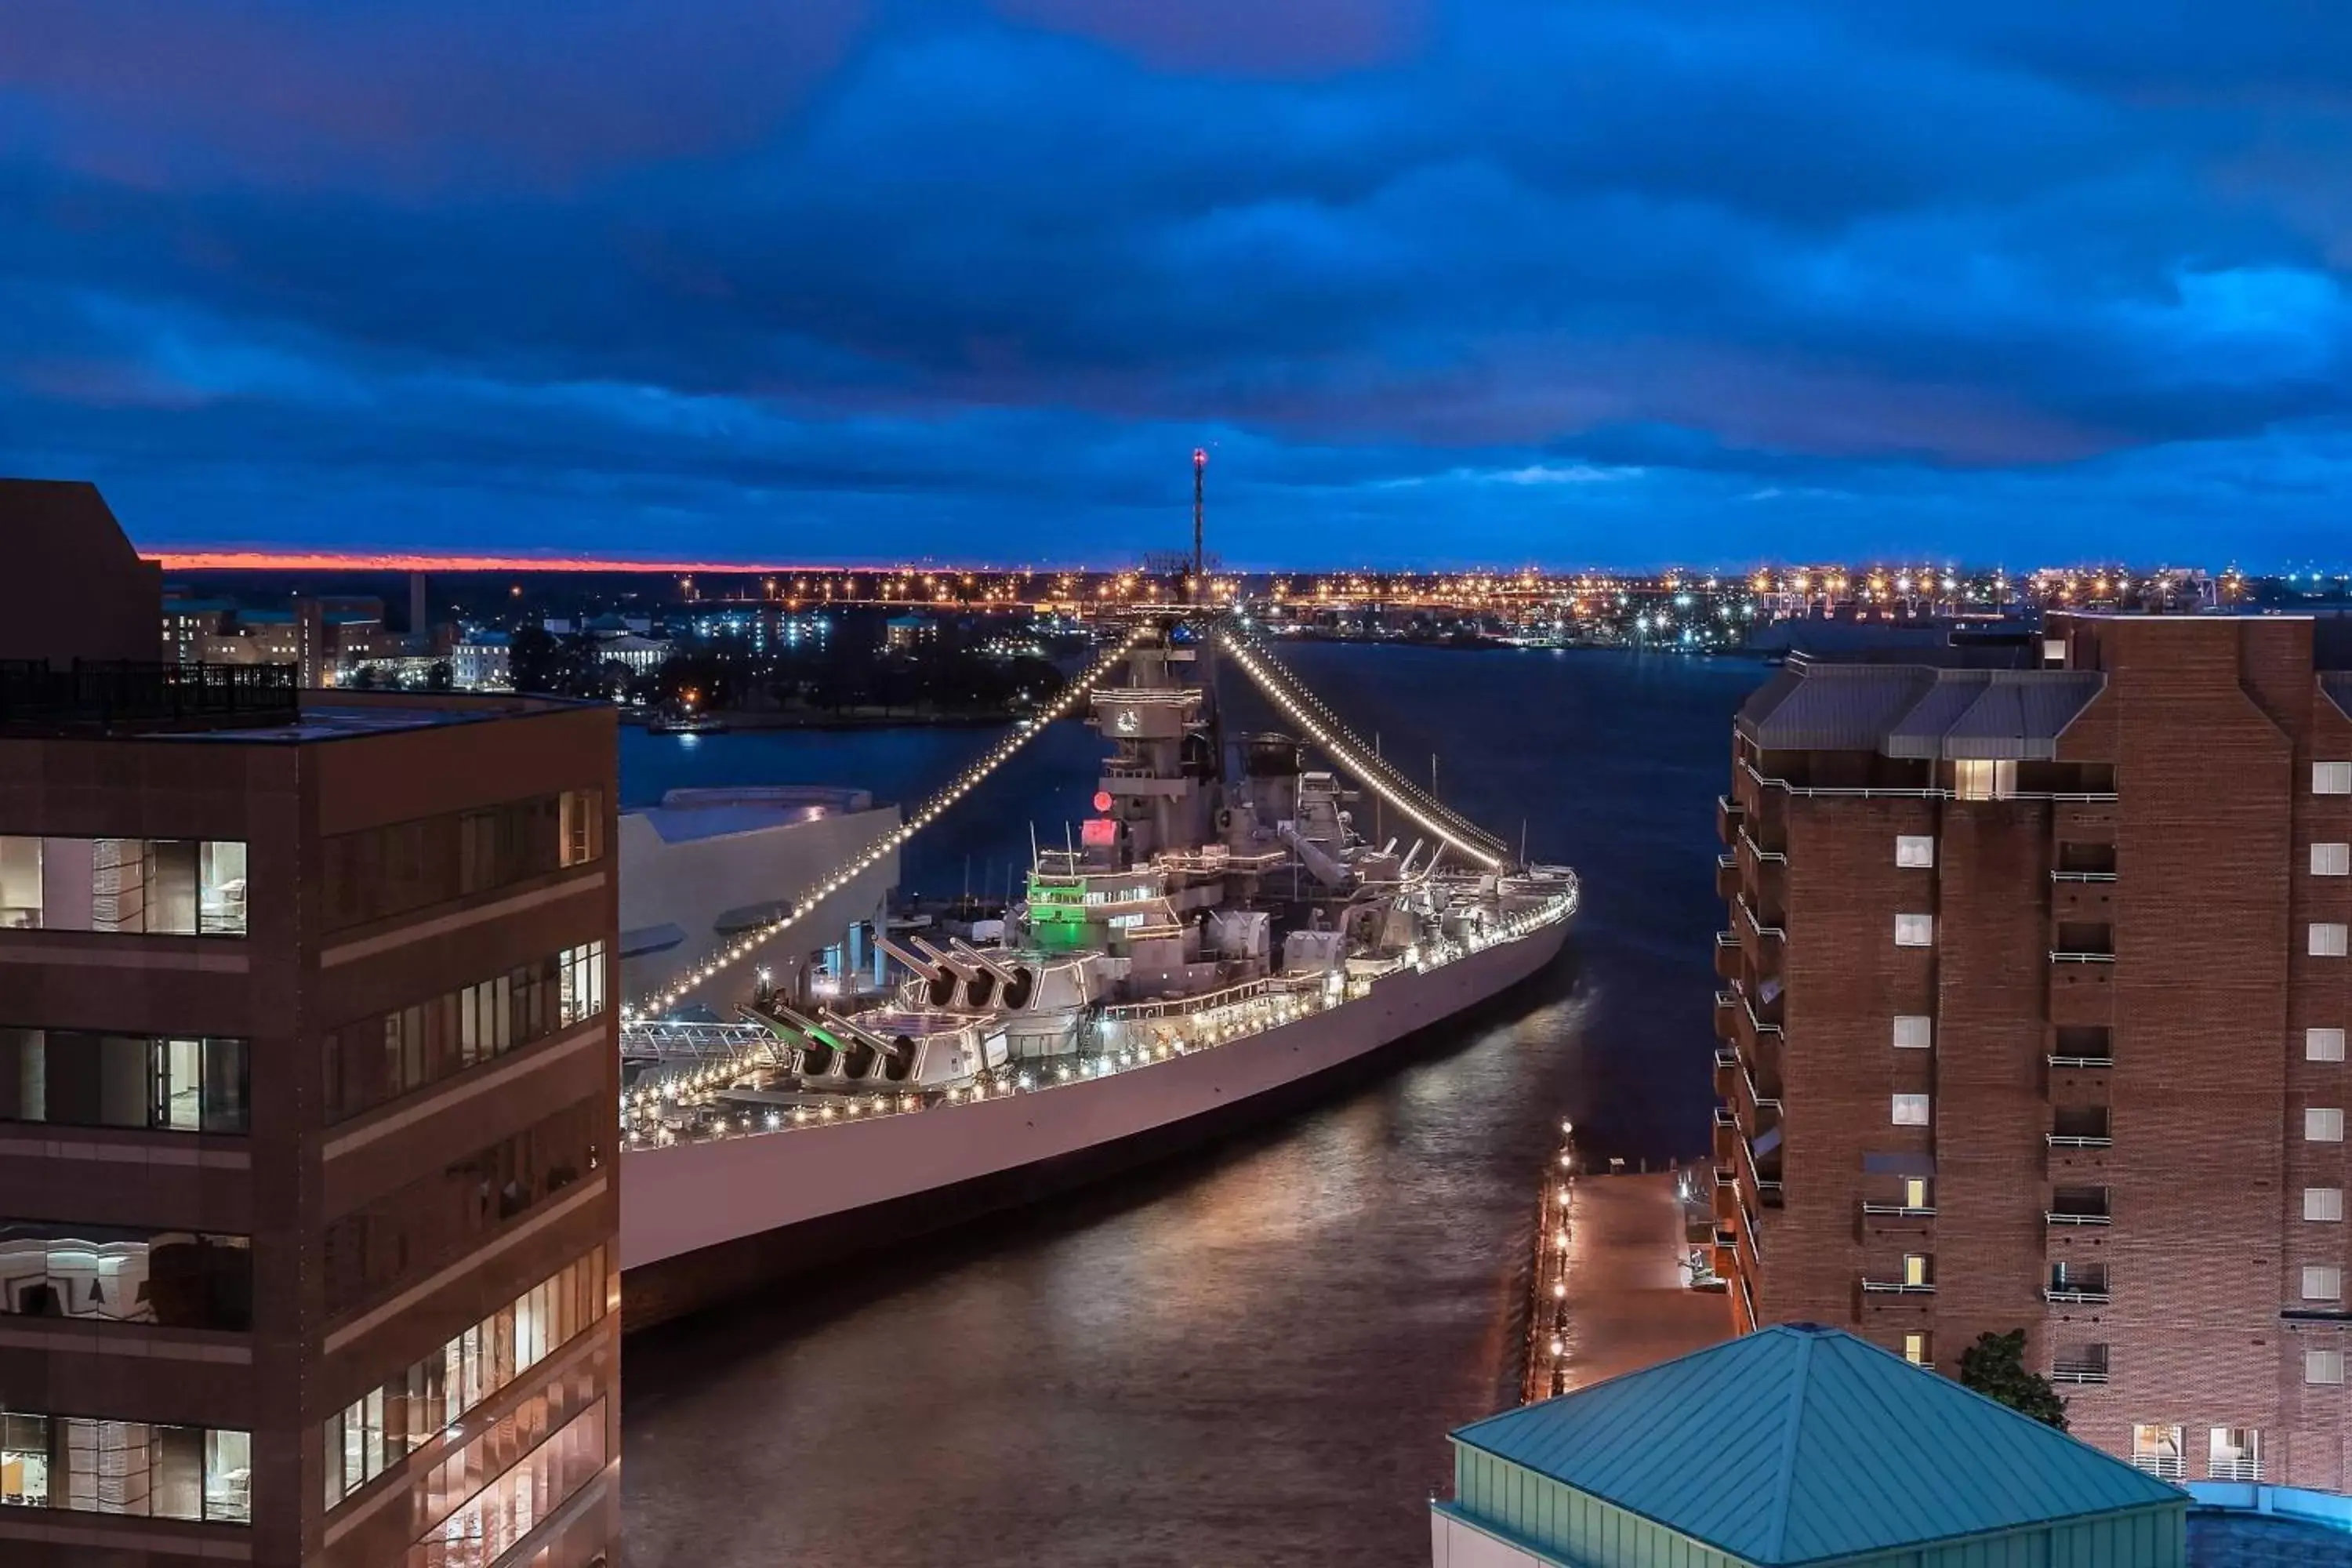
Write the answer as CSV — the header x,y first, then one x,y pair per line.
x,y
1622,1285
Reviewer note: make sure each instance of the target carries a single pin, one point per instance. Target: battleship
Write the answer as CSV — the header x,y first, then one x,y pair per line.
x,y
1221,934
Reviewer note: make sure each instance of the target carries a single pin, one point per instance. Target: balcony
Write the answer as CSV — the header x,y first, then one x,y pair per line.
x,y
2075,1286
1771,938
2081,1127
1727,1193
1727,1073
1909,1225
1727,1007
1768,1194
1759,1037
1728,1140
2086,1369
1726,877
1730,817
2082,1049
2086,1209
1896,1288
1728,964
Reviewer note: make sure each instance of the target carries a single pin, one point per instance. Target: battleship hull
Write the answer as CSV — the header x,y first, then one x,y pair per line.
x,y
702,1222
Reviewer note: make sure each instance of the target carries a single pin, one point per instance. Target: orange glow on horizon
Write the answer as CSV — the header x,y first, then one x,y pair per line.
x,y
330,561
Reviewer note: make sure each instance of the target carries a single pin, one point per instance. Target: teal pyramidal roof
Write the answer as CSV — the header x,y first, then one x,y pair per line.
x,y
1798,1444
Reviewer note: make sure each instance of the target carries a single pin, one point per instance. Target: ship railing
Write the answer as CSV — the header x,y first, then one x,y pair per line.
x,y
1208,1001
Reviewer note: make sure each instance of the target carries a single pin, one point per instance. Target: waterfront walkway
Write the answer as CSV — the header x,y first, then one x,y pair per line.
x,y
1628,1306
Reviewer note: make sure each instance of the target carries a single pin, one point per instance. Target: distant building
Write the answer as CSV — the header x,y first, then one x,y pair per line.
x,y
2035,1009
1797,1444
482,661
308,1191
636,655
187,623
901,634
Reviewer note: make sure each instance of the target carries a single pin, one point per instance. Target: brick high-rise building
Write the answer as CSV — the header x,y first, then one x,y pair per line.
x,y
2034,1010
308,1079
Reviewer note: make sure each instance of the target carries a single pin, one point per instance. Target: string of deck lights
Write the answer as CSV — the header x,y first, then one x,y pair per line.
x,y
1395,788
1348,752
657,1003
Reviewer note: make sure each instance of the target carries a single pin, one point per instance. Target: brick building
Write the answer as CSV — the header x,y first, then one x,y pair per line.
x,y
307,1082
2033,1011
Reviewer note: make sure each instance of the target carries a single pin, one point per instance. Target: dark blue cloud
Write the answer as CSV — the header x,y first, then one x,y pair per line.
x,y
1496,279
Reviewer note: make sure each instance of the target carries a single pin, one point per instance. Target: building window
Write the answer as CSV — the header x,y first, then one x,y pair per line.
x,y
1914,1192
377,873
1917,850
409,1231
1914,1269
1914,1032
2053,650
2329,860
2323,1283
1911,1111
150,887
1915,930
2323,1366
537,1484
2322,1124
20,883
126,1467
75,1079
2157,1450
1985,780
384,1425
2331,778
382,1057
2323,1045
2234,1454
2323,1203
2329,940
177,1278
1915,1349
582,826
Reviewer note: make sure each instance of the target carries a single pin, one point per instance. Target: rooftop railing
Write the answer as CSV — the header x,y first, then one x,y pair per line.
x,y
117,694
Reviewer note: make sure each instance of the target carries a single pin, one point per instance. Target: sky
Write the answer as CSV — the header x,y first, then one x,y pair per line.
x,y
1559,282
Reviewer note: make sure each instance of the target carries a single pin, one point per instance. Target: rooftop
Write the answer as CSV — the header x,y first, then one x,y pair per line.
x,y
1917,709
243,703
685,814
1799,1444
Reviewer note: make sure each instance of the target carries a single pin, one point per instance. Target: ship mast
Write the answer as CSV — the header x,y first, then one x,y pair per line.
x,y
1200,561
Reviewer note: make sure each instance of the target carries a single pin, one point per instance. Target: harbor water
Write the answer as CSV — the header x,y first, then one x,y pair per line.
x,y
1250,1355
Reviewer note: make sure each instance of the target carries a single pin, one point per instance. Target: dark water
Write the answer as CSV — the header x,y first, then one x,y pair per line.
x,y
1251,1356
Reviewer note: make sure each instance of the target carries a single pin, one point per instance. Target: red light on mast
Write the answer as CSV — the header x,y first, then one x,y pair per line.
x,y
1200,456
1102,800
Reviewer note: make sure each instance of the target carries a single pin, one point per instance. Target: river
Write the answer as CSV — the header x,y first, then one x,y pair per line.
x,y
1251,1355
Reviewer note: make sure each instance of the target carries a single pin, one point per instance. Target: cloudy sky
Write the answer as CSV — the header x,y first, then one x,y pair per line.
x,y
1434,281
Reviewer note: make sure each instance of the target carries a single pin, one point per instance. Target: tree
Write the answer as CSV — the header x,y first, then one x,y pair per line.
x,y
1995,1367
438,677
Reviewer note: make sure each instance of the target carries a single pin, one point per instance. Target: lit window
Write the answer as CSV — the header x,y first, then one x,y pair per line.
x,y
1992,780
1911,1111
2157,1450
2234,1454
1914,1269
20,883
2323,1366
1913,1032
2322,1124
1916,931
2329,940
2321,1283
2331,778
2331,860
1915,1192
1915,849
1915,1349
2323,1045
2323,1203
2053,650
